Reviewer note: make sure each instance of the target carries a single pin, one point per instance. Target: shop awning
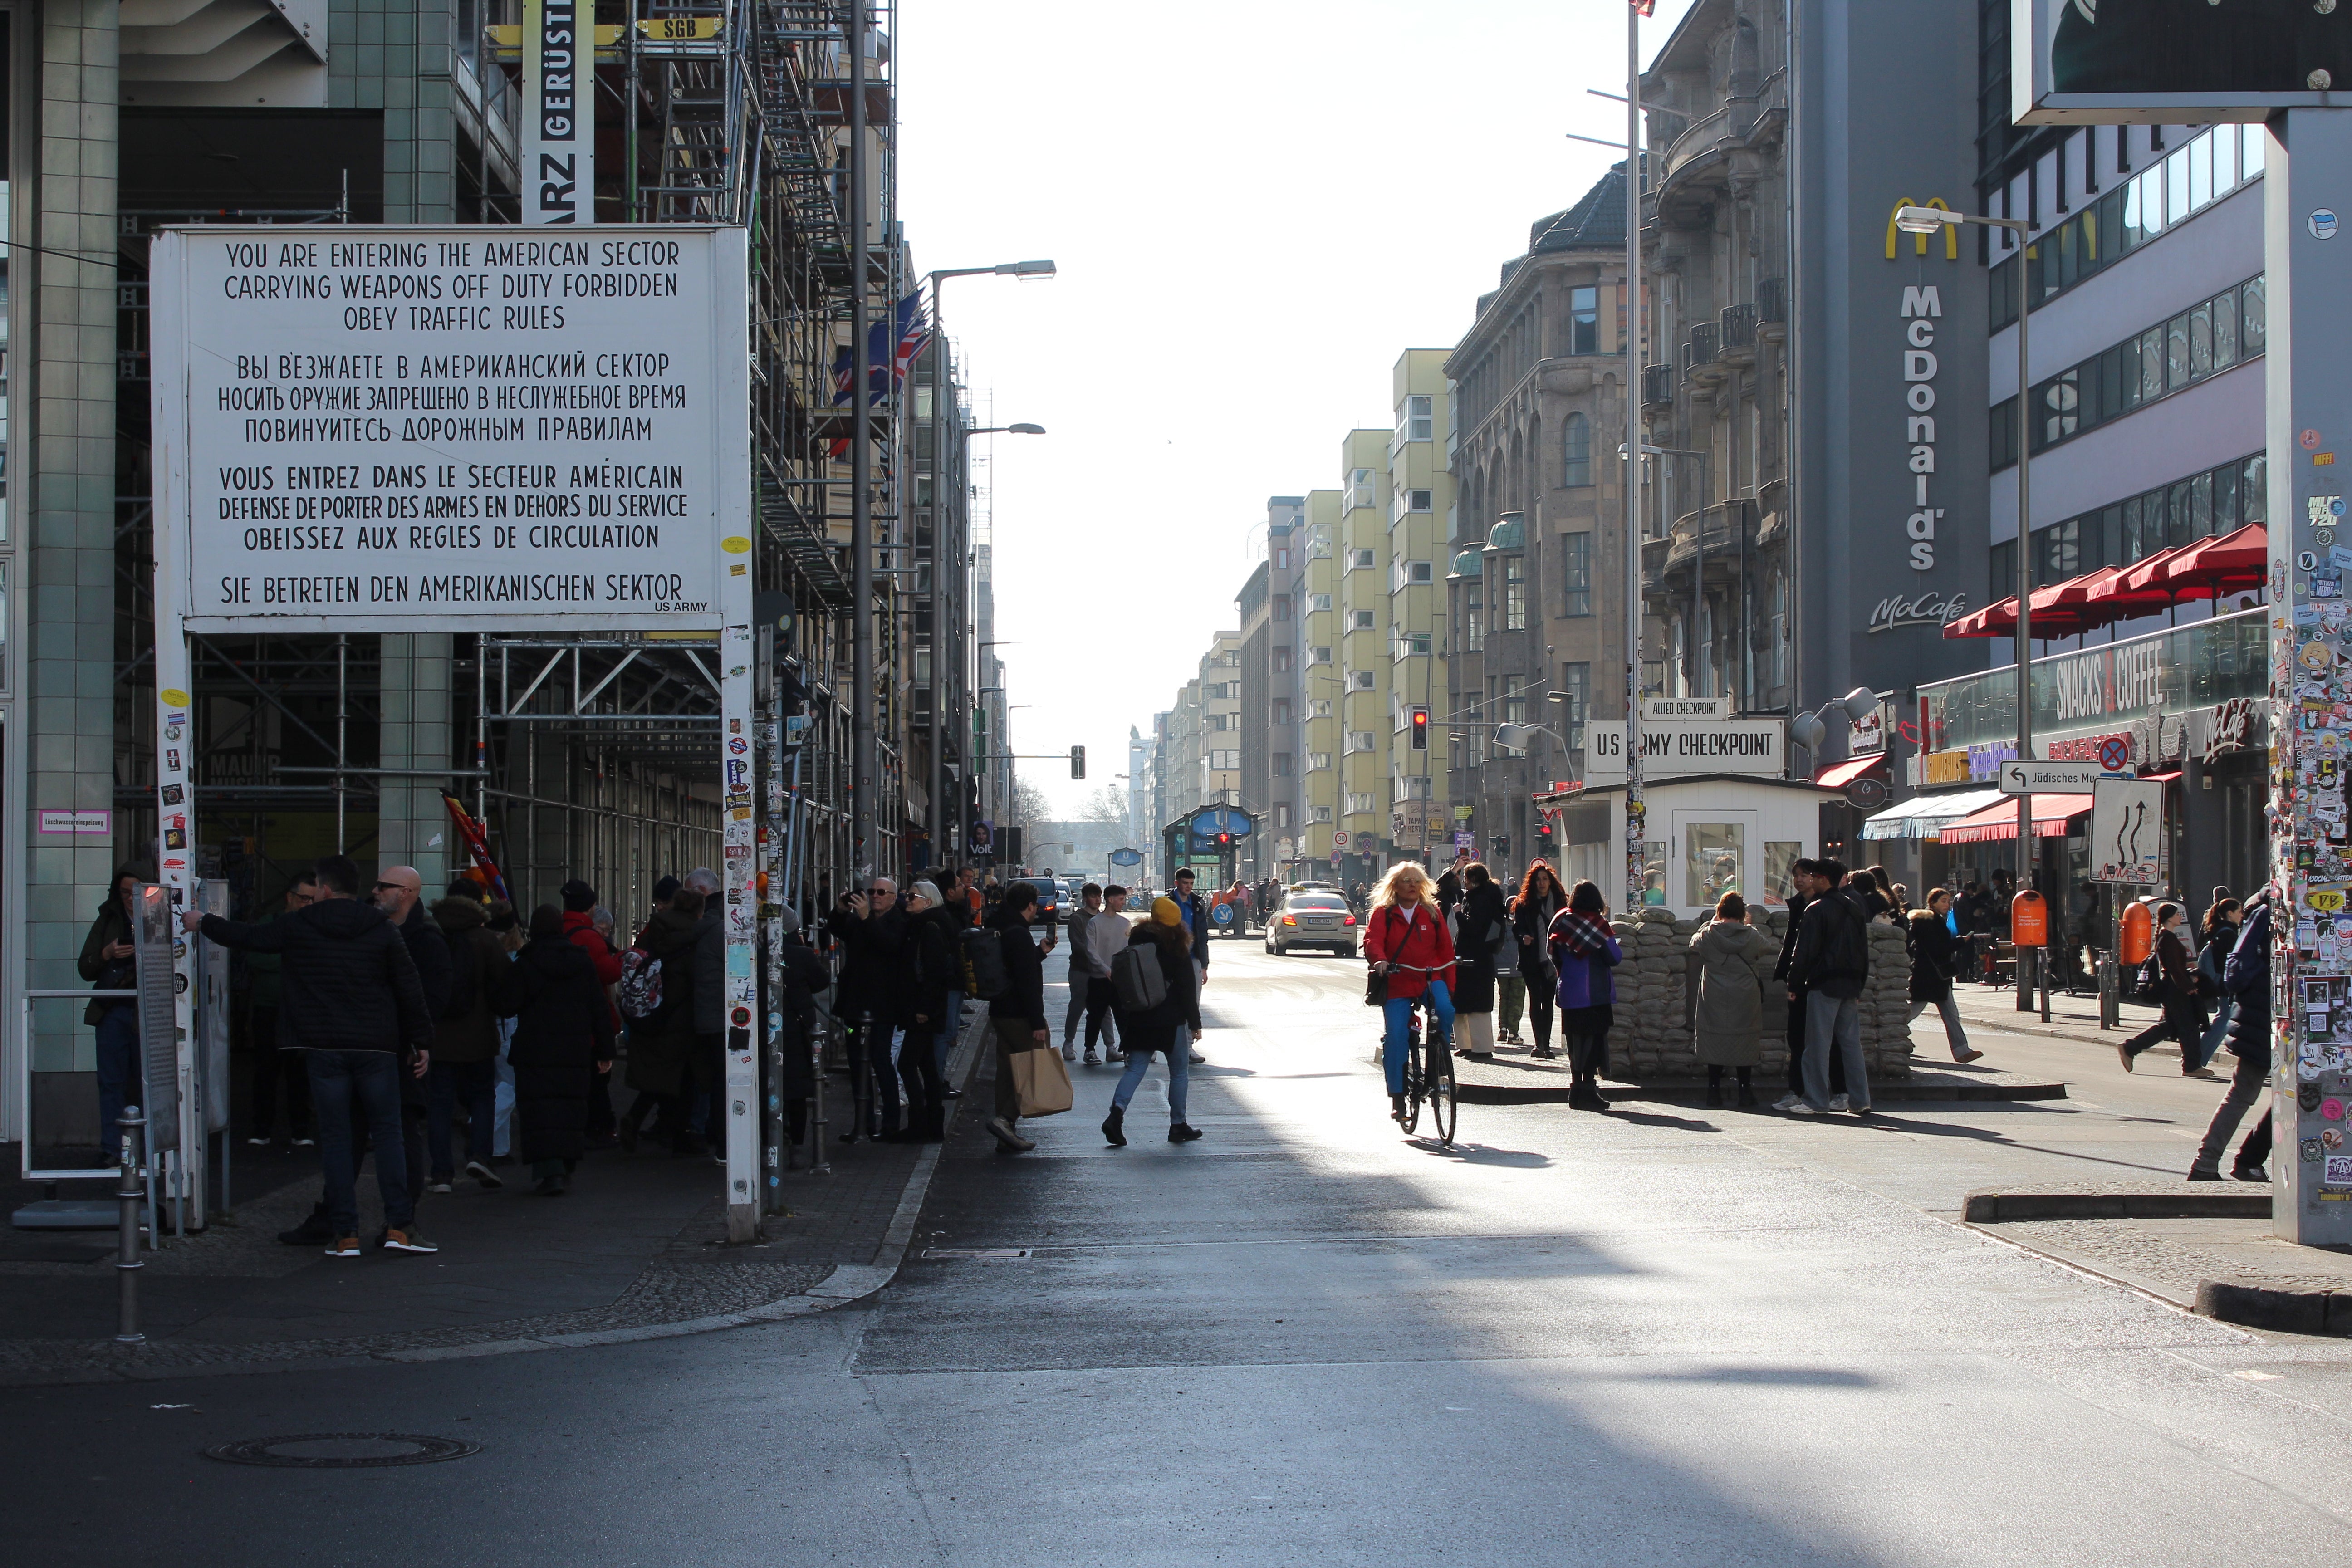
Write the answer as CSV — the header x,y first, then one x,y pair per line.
x,y
1923,815
1837,775
2227,564
2052,812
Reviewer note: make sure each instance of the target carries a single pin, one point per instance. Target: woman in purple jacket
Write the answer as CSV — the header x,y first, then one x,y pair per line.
x,y
1585,950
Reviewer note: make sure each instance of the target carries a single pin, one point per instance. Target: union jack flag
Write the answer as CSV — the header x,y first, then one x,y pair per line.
x,y
885,364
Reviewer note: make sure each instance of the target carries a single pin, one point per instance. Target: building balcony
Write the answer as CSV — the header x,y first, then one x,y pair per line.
x,y
1772,310
1657,387
1738,327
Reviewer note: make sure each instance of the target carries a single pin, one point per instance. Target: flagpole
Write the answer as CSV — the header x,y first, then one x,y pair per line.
x,y
1636,815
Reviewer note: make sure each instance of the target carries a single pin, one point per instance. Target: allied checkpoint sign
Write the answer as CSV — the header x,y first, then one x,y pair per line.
x,y
414,428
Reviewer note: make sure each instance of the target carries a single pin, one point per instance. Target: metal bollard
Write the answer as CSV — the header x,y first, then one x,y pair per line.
x,y
861,1081
130,1193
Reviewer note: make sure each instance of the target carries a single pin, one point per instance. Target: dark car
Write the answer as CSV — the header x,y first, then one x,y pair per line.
x,y
1313,920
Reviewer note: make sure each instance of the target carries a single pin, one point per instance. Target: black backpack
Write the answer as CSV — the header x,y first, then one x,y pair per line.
x,y
985,976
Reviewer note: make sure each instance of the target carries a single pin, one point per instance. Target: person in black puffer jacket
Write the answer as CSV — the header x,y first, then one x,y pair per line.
x,y
1018,1015
563,1029
2247,977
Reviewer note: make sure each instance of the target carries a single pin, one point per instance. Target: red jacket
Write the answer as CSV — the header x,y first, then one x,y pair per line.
x,y
1417,939
581,932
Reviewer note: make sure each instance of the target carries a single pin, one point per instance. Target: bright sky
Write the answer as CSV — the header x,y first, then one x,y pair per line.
x,y
1253,218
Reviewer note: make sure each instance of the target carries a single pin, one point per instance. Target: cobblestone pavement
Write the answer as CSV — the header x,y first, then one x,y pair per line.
x,y
637,1248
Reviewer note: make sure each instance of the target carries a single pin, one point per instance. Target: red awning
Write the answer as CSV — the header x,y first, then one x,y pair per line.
x,y
1992,621
2107,599
2052,812
1837,775
2150,573
2226,563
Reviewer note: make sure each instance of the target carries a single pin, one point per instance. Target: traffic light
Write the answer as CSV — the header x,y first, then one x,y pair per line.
x,y
1543,836
1421,729
1077,762
1224,841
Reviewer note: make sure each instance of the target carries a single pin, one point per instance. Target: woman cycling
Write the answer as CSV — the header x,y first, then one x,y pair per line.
x,y
1406,940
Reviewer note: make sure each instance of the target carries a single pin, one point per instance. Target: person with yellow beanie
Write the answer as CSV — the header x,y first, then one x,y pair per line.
x,y
1158,1028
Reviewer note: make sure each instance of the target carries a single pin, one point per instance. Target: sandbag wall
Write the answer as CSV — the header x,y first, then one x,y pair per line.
x,y
1652,1040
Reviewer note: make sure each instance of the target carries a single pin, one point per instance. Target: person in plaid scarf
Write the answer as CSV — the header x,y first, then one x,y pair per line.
x,y
1585,950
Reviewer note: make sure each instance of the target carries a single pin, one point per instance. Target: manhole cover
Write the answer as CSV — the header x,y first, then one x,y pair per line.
x,y
343,1450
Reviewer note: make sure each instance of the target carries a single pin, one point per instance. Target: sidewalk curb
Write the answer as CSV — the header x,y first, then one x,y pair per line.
x,y
1997,1207
2327,1312
1506,1094
848,1285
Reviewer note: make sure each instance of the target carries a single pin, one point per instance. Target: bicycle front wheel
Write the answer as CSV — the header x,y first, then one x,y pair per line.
x,y
1441,1102
1413,1091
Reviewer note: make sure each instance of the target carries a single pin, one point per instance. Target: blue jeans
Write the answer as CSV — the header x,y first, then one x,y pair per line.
x,y
1179,1074
120,1082
2217,1030
1397,1010
372,1080
949,1031
1834,1024
444,1083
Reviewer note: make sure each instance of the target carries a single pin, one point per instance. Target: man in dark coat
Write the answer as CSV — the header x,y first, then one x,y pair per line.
x,y
663,1047
1831,965
805,972
354,1003
873,933
2247,977
1017,1014
2141,47
399,894
465,1042
107,963
564,1037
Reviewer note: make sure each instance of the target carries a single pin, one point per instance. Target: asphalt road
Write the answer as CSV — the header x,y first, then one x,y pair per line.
x,y
1664,1335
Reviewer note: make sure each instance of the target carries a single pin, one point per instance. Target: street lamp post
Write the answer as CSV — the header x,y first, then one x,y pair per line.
x,y
1932,220
940,554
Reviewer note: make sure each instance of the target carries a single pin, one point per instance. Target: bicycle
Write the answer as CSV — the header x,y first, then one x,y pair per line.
x,y
1433,1082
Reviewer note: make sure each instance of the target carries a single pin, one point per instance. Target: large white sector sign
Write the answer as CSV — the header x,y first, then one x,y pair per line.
x,y
422,428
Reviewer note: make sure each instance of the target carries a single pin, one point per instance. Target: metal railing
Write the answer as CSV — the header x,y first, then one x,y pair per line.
x,y
1657,383
1699,350
1772,299
1739,326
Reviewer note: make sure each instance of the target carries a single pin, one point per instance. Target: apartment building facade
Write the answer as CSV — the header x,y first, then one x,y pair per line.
x,y
1536,558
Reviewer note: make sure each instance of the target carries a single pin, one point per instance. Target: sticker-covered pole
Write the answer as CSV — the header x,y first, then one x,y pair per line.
x,y
731,454
2309,418
1636,822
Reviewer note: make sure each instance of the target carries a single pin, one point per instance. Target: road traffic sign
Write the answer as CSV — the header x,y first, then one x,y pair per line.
x,y
2114,754
2050,778
1339,840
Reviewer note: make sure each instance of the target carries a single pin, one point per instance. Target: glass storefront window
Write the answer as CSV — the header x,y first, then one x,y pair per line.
x,y
1780,857
2168,672
1711,855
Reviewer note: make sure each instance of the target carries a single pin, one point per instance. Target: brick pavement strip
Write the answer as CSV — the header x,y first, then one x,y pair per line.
x,y
839,1242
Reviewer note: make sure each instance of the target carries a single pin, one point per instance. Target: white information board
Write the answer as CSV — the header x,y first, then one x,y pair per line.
x,y
415,429
2127,832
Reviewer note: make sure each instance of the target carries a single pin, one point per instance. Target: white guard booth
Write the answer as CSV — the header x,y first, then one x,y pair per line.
x,y
1713,833
411,429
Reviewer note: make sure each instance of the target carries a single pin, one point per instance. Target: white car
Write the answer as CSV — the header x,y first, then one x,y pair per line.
x,y
1313,920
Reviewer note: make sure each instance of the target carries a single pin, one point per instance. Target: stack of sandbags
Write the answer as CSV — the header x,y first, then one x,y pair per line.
x,y
1651,1016
1887,1004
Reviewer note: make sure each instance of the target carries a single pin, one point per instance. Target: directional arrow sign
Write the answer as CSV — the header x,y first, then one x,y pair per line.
x,y
2049,778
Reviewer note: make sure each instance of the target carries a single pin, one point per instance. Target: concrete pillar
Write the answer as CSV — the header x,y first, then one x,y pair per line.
x,y
412,825
68,700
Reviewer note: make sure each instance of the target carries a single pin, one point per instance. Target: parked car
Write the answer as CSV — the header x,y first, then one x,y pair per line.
x,y
1313,920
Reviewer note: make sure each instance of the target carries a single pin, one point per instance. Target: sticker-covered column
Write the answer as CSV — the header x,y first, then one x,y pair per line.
x,y
2309,181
